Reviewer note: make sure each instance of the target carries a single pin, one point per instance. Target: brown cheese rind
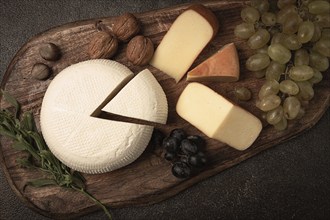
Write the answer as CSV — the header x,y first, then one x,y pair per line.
x,y
222,66
208,15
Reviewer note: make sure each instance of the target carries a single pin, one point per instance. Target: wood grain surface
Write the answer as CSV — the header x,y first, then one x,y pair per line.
x,y
147,180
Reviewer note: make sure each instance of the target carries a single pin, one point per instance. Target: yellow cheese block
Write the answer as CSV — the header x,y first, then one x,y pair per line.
x,y
217,117
188,35
222,66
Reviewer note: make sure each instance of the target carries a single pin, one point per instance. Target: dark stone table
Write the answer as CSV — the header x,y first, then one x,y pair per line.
x,y
289,181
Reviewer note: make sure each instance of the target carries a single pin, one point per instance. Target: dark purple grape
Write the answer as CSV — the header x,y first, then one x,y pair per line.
x,y
198,140
171,144
198,160
178,134
181,170
157,138
189,147
169,156
184,158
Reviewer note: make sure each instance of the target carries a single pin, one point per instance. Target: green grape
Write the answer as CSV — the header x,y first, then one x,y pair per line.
x,y
318,61
243,93
274,71
261,5
244,30
278,38
257,62
275,116
268,18
317,77
306,91
282,125
250,15
268,103
325,34
259,74
289,87
291,42
323,47
259,39
306,2
263,50
323,20
301,57
282,15
282,3
270,87
291,106
319,7
291,23
317,32
301,73
305,31
279,53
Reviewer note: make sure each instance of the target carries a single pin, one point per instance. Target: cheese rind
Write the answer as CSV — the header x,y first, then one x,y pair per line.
x,y
184,41
223,66
218,118
146,99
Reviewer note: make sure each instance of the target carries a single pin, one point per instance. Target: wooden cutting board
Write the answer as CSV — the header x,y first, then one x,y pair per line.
x,y
148,180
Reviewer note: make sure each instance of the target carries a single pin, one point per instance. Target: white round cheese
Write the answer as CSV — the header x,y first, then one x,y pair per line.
x,y
89,144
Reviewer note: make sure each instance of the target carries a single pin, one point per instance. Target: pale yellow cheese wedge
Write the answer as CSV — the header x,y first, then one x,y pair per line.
x,y
222,66
217,117
188,35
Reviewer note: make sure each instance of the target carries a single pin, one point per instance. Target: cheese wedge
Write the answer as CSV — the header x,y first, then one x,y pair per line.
x,y
142,91
222,66
93,145
217,117
189,34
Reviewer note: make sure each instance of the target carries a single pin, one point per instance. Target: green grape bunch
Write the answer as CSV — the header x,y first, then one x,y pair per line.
x,y
291,40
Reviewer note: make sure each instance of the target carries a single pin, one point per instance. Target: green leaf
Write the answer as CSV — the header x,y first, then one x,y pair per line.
x,y
7,133
11,100
41,182
25,162
17,145
28,122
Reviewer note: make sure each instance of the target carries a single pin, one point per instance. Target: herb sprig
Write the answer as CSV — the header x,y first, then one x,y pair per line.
x,y
25,136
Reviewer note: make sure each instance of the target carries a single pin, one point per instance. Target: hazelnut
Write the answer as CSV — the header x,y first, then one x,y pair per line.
x,y
140,50
49,51
126,26
40,71
102,45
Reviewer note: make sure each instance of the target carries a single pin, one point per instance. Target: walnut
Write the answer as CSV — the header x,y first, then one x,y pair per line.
x,y
126,26
102,45
140,50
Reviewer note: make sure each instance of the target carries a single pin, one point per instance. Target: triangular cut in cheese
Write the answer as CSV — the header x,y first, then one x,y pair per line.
x,y
222,66
142,98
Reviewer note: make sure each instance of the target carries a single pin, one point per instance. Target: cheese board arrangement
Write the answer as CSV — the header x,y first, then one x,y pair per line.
x,y
146,131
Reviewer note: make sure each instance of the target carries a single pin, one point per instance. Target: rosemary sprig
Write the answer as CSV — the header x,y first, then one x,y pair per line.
x,y
25,136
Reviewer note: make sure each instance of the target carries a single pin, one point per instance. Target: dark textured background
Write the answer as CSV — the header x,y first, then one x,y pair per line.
x,y
289,181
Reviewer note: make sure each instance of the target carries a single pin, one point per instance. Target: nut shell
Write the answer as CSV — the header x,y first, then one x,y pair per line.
x,y
125,27
140,50
49,51
102,45
40,71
